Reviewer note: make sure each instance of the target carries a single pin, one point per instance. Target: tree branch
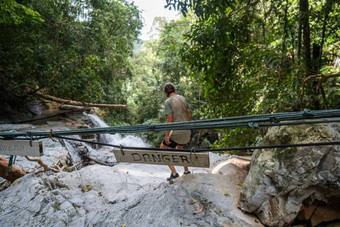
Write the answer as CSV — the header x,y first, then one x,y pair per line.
x,y
77,103
42,164
46,168
322,78
249,3
71,167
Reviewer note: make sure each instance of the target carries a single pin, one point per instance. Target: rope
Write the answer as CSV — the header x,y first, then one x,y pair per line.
x,y
220,150
252,121
11,162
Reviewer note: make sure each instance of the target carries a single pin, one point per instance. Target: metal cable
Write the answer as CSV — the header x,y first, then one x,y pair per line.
x,y
252,121
120,147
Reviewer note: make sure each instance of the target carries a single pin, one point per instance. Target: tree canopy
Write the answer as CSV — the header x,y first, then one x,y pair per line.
x,y
263,56
228,58
70,49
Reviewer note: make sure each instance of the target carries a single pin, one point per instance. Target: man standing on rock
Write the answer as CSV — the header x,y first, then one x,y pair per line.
x,y
176,110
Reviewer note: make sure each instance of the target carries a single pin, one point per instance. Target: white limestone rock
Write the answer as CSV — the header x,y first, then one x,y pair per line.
x,y
281,181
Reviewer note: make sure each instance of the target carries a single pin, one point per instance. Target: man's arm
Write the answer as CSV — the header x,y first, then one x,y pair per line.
x,y
189,114
169,119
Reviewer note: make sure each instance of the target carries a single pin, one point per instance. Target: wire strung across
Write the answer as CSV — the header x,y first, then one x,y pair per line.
x,y
120,147
251,121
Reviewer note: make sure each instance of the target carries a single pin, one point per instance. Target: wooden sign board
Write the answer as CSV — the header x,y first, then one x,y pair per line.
x,y
175,158
21,148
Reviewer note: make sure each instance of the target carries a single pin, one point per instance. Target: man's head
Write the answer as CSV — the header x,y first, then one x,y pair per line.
x,y
168,89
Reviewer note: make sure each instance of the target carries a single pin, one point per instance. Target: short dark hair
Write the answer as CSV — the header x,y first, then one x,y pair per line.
x,y
169,88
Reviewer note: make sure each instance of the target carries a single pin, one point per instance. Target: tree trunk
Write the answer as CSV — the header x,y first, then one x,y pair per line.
x,y
283,47
15,171
304,10
299,39
328,7
77,103
263,24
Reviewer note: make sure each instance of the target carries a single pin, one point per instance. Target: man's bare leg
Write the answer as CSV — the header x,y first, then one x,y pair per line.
x,y
186,169
172,168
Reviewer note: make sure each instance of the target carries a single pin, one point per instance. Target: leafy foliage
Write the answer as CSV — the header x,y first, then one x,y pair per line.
x,y
156,62
228,58
12,12
252,56
79,50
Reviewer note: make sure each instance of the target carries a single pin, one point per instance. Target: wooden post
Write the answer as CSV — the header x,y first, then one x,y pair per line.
x,y
15,171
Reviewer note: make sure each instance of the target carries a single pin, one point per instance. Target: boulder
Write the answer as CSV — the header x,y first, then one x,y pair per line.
x,y
120,193
125,194
284,181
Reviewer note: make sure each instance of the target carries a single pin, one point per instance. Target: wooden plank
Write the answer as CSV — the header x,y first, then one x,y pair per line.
x,y
163,157
21,148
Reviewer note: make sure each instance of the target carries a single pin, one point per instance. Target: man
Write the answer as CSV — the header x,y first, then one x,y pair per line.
x,y
176,110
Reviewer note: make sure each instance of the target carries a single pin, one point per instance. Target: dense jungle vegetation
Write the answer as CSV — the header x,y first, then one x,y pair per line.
x,y
228,58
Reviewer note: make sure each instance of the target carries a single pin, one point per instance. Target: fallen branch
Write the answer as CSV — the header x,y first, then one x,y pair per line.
x,y
77,103
71,167
44,165
321,78
15,172
57,168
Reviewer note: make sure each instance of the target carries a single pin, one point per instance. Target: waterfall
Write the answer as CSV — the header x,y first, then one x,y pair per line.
x,y
72,150
102,155
116,139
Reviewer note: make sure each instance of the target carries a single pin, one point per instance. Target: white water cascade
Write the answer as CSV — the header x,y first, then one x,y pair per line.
x,y
73,152
116,139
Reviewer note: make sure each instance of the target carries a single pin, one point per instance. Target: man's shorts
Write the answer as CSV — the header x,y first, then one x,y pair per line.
x,y
172,144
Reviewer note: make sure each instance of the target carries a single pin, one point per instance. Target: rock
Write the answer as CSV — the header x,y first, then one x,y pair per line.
x,y
233,170
16,127
36,107
121,193
103,155
281,180
172,207
325,214
307,211
130,194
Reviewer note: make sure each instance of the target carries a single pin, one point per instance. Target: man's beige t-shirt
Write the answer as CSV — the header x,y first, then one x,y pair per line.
x,y
178,106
